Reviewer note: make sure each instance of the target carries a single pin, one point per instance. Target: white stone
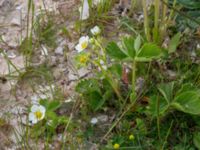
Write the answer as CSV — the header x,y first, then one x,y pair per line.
x,y
16,21
11,55
82,72
72,77
102,118
44,51
59,50
17,61
34,99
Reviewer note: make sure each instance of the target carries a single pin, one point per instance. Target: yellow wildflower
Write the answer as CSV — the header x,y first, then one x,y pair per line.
x,y
116,146
83,59
131,137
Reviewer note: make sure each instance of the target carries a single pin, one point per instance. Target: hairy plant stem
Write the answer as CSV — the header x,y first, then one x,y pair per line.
x,y
166,137
171,12
31,11
111,81
133,80
129,107
164,13
64,135
158,118
164,23
156,20
119,117
108,74
146,21
117,121
28,15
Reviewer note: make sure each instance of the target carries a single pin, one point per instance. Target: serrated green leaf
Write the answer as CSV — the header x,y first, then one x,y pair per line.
x,y
116,69
129,46
95,100
148,52
63,120
115,52
137,43
53,105
163,106
188,102
175,41
51,115
167,91
187,87
87,86
44,102
107,95
190,4
140,124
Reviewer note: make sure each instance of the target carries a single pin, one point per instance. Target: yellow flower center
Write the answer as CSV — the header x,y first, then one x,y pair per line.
x,y
84,45
38,114
83,59
131,137
116,146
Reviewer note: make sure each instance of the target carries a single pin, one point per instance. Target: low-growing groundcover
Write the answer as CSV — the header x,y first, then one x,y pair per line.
x,y
143,86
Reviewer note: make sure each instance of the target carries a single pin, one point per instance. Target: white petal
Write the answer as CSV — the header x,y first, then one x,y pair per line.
x,y
42,109
42,117
96,30
32,119
84,39
34,108
79,48
87,38
92,31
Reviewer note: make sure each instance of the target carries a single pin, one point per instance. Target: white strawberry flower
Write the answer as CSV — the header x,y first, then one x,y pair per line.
x,y
37,113
83,43
96,30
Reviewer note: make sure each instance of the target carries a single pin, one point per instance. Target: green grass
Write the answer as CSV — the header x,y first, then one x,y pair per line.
x,y
162,114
